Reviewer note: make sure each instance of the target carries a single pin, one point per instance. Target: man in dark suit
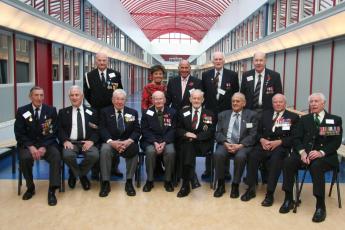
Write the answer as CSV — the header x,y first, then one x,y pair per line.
x,y
120,130
99,85
260,84
77,132
179,88
158,135
219,84
236,136
195,127
275,133
35,131
318,136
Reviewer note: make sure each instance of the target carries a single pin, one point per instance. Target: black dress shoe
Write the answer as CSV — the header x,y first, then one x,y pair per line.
x,y
319,215
195,182
148,186
130,189
248,195
286,206
268,201
30,192
219,191
105,189
85,183
72,181
168,186
184,191
234,191
52,201
206,175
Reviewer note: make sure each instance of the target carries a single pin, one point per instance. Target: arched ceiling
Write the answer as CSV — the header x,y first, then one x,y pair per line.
x,y
191,17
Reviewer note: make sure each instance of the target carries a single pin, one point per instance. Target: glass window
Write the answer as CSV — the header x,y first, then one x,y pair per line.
x,y
56,52
87,62
294,11
308,8
67,64
77,64
24,60
4,59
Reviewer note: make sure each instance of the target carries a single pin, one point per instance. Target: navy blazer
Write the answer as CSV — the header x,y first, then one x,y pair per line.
x,y
108,124
229,84
174,92
272,85
40,133
96,94
151,129
326,138
65,124
285,133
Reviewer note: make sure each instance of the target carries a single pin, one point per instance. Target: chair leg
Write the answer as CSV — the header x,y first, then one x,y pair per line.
x,y
212,171
297,202
338,190
19,180
334,175
62,186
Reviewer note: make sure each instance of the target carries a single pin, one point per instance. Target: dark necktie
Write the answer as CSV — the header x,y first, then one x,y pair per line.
x,y
120,124
257,93
160,117
216,80
36,116
274,121
195,119
317,120
79,126
235,135
103,78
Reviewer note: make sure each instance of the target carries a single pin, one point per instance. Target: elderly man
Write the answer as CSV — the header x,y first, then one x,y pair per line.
x,y
195,127
78,133
235,135
179,88
35,131
158,135
219,85
120,130
99,85
275,133
318,136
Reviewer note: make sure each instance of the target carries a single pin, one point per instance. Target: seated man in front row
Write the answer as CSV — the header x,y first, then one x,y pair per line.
x,y
158,135
78,134
318,136
120,130
195,128
35,130
275,133
236,136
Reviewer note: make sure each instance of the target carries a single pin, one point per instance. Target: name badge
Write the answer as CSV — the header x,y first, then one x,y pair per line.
x,y
191,90
149,112
111,75
185,114
286,127
221,91
250,78
330,121
27,114
88,112
249,125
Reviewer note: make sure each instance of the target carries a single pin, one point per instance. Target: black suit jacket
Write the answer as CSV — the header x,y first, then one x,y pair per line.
x,y
153,132
204,132
229,85
285,132
327,138
96,94
65,124
40,133
272,85
108,125
174,92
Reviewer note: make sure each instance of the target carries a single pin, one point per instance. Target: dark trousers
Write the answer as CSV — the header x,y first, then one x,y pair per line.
x,y
317,169
52,156
273,160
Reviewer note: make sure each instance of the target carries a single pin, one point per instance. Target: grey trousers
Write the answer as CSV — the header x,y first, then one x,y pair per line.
x,y
240,159
90,158
131,156
168,158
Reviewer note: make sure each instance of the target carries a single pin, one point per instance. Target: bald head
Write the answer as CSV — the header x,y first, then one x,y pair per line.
x,y
101,61
184,68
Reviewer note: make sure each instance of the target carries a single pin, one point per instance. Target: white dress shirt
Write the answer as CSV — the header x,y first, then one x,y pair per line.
x,y
262,84
74,130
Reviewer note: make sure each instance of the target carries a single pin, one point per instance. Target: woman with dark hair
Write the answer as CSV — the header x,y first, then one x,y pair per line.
x,y
157,72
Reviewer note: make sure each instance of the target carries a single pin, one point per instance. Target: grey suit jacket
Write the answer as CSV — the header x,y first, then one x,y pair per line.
x,y
248,129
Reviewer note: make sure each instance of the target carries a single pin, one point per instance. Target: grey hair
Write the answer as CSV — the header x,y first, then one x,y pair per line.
x,y
240,95
321,95
218,52
279,94
77,87
156,93
119,91
197,91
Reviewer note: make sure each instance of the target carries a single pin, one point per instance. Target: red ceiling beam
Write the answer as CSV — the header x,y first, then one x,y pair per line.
x,y
196,15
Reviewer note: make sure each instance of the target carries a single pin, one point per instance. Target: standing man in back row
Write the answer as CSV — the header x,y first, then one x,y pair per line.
x,y
99,85
219,85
